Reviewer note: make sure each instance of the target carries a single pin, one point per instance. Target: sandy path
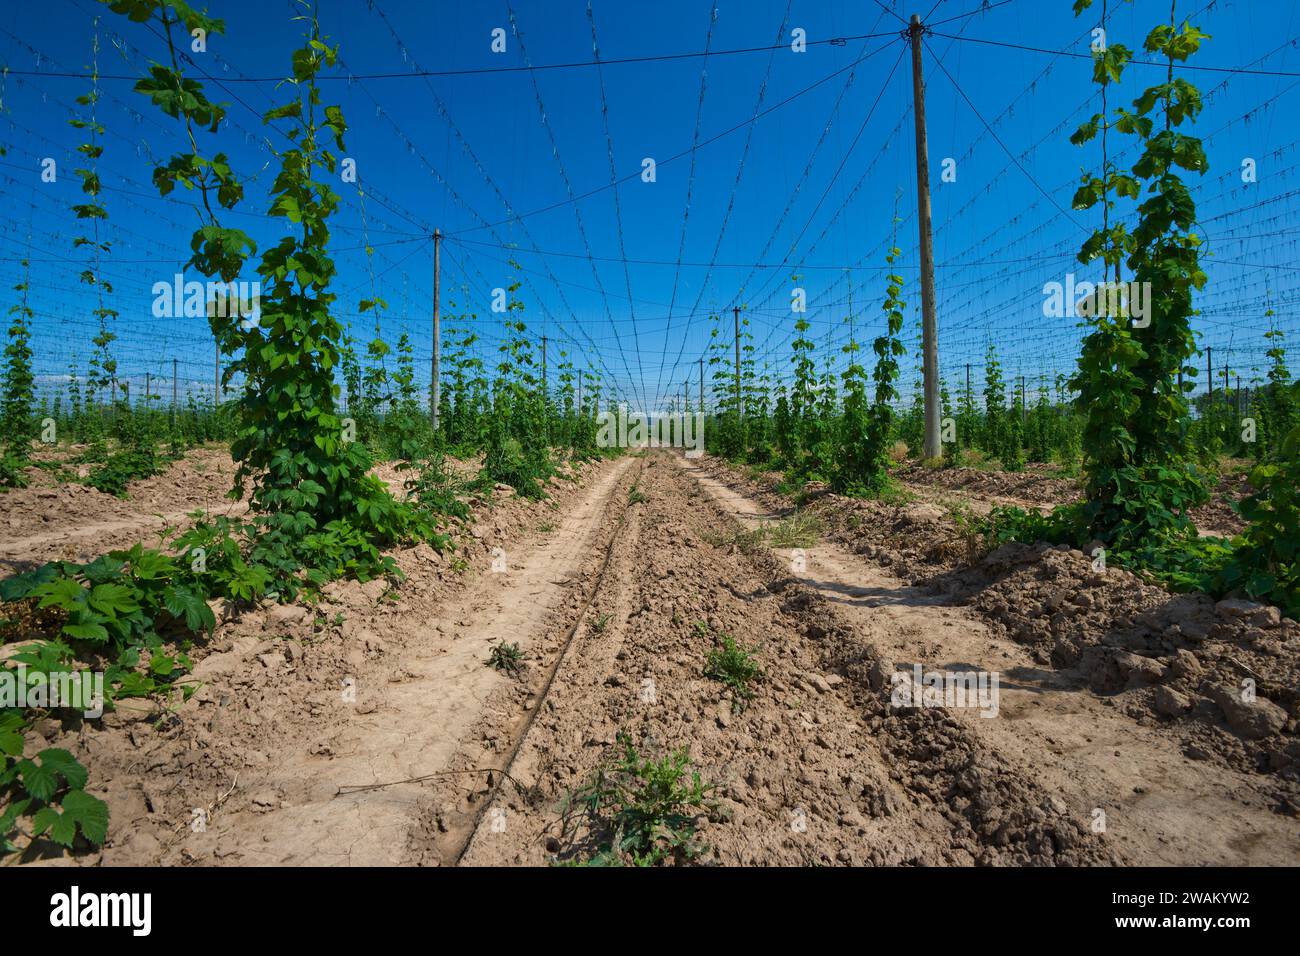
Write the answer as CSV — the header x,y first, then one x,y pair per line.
x,y
410,714
1160,806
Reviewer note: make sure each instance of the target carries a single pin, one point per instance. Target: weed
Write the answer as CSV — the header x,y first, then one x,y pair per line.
x,y
11,472
47,788
746,542
800,530
506,657
121,468
734,666
638,811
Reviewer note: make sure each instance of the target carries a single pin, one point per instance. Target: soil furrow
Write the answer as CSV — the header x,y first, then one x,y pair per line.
x,y
812,770
1159,806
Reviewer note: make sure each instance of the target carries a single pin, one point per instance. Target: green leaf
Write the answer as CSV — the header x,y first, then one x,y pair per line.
x,y
40,781
286,206
181,602
11,734
64,593
79,811
65,765
86,632
114,600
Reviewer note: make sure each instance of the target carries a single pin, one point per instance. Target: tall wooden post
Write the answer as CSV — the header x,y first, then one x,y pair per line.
x,y
929,334
435,386
735,311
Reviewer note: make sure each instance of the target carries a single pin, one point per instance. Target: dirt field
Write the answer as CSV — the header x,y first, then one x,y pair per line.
x,y
370,730
51,520
1045,488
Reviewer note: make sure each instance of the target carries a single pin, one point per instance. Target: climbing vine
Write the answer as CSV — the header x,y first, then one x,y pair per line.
x,y
1139,472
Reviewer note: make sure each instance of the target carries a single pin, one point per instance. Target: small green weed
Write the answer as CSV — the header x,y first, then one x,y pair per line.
x,y
637,811
735,666
506,657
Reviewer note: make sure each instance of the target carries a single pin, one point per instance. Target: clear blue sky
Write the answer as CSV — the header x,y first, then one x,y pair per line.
x,y
822,173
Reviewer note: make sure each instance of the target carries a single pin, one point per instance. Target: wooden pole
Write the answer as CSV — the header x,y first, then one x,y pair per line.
x,y
435,389
929,334
735,311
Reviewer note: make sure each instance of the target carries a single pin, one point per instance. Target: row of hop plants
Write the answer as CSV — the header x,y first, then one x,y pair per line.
x,y
316,513
812,423
799,425
1145,455
1146,452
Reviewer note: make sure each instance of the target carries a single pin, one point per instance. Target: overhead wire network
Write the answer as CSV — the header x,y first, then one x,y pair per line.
x,y
779,163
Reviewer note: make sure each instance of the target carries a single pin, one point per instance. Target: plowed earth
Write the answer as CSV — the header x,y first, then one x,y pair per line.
x,y
371,730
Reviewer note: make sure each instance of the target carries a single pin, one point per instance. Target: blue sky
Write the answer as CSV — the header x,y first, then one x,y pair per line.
x,y
809,187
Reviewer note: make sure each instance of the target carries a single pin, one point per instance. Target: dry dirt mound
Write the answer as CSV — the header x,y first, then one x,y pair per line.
x,y
1218,516
1036,487
51,520
1176,661
1039,488
1181,659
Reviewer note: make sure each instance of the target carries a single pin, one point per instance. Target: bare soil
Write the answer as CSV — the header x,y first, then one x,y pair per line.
x,y
374,684
1043,488
370,729
52,520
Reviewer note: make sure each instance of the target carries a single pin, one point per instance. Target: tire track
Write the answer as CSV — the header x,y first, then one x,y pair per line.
x,y
810,771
